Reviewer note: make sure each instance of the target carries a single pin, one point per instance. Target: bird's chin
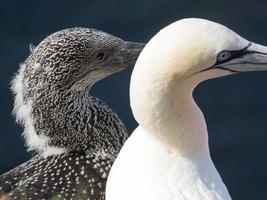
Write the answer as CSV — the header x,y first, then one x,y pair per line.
x,y
220,72
210,74
90,78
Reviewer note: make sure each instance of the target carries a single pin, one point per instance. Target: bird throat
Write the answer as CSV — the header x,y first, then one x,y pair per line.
x,y
173,130
167,110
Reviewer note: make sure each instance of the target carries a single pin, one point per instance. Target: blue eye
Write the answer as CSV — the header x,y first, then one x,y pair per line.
x,y
224,56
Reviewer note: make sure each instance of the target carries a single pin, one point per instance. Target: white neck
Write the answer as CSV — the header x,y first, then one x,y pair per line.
x,y
169,150
165,107
174,132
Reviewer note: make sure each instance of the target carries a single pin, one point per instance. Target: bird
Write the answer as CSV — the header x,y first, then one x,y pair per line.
x,y
167,156
74,136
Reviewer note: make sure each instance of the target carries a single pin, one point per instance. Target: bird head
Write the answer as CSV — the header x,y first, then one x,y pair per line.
x,y
53,83
76,58
196,50
177,59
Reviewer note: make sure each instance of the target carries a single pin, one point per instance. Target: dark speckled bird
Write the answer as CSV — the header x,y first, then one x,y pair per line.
x,y
76,136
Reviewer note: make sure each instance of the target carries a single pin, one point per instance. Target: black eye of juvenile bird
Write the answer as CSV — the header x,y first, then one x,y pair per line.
x,y
100,56
224,56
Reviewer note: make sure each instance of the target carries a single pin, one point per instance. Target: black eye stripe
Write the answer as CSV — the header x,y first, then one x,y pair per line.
x,y
234,54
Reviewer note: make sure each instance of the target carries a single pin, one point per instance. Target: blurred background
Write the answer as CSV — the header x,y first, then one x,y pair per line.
x,y
235,107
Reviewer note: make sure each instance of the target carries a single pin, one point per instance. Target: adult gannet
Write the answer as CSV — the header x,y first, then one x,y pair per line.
x,y
77,136
167,156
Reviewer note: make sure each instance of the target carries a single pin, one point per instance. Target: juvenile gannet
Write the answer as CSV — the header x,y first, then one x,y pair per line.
x,y
167,157
77,136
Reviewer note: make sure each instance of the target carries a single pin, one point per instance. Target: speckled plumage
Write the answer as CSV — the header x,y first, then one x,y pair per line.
x,y
76,136
67,176
59,103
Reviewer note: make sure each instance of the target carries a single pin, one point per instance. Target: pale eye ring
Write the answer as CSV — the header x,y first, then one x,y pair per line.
x,y
224,56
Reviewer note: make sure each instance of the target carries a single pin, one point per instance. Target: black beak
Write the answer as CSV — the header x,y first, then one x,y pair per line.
x,y
129,53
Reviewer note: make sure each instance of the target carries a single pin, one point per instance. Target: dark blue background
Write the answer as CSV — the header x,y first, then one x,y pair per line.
x,y
234,107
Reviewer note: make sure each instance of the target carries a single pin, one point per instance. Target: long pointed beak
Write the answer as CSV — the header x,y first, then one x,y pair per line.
x,y
129,54
126,56
253,59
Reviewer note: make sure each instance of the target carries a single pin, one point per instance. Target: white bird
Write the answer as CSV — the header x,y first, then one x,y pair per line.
x,y
167,156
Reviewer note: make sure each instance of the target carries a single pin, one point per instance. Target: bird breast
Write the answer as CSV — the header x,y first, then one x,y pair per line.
x,y
159,174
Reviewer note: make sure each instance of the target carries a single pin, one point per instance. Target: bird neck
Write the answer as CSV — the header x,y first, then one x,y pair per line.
x,y
54,116
59,121
165,108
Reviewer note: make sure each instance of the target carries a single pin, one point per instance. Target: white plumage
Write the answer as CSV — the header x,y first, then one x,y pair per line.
x,y
167,157
23,113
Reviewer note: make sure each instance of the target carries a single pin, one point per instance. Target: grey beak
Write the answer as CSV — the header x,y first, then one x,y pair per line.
x,y
129,53
254,59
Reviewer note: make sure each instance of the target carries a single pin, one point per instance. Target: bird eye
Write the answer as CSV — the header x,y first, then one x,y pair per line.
x,y
100,56
224,56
